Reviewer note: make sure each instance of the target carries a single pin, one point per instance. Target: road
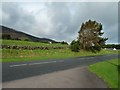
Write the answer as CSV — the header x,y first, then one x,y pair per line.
x,y
19,70
78,77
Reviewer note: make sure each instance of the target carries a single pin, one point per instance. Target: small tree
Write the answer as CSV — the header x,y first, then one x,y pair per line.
x,y
90,36
75,46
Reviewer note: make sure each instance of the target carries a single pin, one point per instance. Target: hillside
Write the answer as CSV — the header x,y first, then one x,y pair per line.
x,y
9,33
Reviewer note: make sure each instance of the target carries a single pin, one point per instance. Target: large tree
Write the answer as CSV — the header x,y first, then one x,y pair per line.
x,y
90,35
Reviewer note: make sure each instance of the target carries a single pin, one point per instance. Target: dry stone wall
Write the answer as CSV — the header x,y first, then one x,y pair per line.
x,y
31,47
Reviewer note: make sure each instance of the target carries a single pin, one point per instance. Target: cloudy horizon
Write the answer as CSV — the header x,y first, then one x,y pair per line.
x,y
60,21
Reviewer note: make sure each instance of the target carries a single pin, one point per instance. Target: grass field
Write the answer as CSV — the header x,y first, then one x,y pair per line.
x,y
108,71
15,55
12,55
28,43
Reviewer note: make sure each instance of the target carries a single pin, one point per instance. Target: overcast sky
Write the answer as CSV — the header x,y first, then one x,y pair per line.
x,y
60,20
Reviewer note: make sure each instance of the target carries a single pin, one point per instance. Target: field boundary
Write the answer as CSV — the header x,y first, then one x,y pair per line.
x,y
32,47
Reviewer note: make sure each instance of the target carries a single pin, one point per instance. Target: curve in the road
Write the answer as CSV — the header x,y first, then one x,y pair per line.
x,y
19,70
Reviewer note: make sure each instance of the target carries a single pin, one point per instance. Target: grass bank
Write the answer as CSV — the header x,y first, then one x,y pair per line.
x,y
12,55
108,71
28,43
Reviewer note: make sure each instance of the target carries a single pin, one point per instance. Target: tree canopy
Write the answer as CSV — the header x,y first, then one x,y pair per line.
x,y
90,35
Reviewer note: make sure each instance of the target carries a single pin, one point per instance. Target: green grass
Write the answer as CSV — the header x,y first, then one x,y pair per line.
x,y
28,43
108,71
115,62
12,55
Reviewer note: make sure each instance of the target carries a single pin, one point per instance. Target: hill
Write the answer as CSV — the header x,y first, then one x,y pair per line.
x,y
12,34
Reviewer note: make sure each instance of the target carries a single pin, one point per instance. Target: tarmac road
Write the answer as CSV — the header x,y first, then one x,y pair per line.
x,y
78,77
20,70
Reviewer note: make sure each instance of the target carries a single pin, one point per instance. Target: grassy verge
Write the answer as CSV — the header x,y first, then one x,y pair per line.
x,y
12,55
108,71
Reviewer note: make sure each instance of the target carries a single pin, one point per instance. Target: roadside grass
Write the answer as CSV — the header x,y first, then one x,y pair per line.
x,y
108,71
114,61
13,55
29,43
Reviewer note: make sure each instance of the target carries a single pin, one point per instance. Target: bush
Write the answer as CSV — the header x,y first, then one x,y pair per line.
x,y
95,48
75,46
26,39
65,43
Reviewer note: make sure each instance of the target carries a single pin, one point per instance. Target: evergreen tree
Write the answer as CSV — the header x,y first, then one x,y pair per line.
x,y
90,36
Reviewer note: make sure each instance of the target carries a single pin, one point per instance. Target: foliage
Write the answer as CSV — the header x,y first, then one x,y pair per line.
x,y
75,46
90,36
26,39
95,48
117,46
63,42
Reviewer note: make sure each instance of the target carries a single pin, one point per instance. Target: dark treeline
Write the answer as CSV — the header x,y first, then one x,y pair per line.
x,y
117,46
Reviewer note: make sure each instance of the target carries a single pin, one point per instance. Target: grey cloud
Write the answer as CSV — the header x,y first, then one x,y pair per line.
x,y
18,19
65,19
64,26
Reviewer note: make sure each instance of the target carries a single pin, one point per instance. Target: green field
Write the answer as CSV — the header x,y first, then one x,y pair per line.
x,y
28,43
12,55
18,55
108,71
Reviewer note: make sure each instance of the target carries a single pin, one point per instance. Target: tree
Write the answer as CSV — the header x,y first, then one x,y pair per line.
x,y
63,42
74,46
90,36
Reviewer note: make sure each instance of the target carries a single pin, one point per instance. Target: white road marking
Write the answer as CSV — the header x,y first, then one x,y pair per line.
x,y
87,57
18,65
42,63
32,64
38,63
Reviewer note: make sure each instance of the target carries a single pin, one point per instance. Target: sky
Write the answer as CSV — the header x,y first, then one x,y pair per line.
x,y
60,21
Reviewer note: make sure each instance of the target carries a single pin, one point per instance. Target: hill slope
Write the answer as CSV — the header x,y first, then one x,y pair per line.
x,y
9,33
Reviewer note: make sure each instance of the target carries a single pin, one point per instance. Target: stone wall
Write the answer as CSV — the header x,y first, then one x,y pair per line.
x,y
31,47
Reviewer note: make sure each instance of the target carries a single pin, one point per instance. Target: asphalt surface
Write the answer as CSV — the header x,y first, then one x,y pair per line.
x,y
78,77
19,70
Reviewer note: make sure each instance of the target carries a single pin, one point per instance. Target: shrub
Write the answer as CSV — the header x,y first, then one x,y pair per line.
x,y
75,46
65,43
95,48
26,39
